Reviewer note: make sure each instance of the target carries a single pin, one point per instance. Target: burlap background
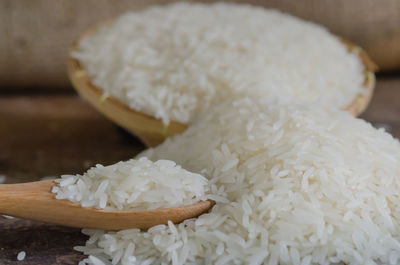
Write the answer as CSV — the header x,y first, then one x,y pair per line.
x,y
35,34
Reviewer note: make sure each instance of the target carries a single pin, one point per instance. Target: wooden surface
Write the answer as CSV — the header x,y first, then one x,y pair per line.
x,y
36,34
42,136
48,135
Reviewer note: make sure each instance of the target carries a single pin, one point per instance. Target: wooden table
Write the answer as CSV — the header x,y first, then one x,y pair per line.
x,y
50,134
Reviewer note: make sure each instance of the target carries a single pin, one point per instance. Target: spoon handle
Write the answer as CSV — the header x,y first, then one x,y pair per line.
x,y
35,201
27,200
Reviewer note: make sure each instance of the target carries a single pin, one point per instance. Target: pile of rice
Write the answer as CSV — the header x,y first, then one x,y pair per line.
x,y
303,185
294,183
134,185
171,62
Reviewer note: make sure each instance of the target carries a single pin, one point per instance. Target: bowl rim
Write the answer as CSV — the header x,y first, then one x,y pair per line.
x,y
77,71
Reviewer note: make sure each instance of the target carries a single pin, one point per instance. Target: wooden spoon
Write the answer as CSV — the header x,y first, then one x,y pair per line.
x,y
35,201
152,131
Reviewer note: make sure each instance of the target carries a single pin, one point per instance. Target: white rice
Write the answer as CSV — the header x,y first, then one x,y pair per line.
x,y
173,61
134,185
303,185
7,216
21,255
2,179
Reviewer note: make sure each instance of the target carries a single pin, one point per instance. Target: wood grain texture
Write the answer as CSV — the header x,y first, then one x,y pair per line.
x,y
52,135
44,244
385,105
36,34
42,136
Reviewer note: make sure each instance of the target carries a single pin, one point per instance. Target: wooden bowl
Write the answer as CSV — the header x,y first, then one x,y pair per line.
x,y
152,131
361,101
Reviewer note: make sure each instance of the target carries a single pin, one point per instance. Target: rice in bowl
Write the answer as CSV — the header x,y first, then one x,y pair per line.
x,y
174,61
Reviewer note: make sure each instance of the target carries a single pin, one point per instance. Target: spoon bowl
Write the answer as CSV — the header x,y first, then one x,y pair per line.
x,y
153,131
35,201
